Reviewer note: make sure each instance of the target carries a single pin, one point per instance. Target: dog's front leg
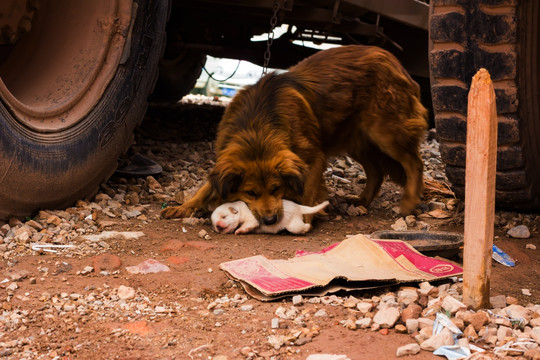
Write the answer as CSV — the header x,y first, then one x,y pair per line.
x,y
199,201
314,186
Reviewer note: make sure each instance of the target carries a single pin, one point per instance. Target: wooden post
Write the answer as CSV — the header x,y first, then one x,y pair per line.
x,y
479,190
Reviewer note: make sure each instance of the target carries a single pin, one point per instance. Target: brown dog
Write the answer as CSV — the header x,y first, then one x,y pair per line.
x,y
275,136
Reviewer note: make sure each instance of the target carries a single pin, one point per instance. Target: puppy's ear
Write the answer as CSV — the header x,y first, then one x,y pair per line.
x,y
233,210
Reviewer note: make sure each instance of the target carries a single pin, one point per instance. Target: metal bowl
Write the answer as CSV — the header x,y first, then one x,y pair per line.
x,y
429,243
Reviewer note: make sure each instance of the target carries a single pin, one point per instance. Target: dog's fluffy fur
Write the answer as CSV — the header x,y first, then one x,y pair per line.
x,y
275,136
237,217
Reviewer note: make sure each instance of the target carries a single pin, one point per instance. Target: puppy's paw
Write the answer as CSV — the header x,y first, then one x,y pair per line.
x,y
299,229
174,212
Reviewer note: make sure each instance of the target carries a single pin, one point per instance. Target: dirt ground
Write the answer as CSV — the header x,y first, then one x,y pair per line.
x,y
60,310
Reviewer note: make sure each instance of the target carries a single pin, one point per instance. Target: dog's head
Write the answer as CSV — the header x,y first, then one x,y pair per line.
x,y
226,218
259,175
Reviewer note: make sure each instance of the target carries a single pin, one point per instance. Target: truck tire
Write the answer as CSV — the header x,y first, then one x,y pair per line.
x,y
72,91
501,36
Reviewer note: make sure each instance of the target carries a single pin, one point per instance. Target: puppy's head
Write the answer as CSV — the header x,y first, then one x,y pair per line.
x,y
260,181
225,218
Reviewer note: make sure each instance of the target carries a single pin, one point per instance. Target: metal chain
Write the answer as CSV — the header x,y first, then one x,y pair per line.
x,y
273,22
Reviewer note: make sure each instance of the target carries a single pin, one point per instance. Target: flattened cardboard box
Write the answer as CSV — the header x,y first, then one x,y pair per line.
x,y
352,264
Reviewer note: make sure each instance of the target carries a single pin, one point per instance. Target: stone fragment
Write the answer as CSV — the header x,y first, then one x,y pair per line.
x,y
386,318
426,332
12,287
107,262
172,245
519,232
503,332
535,334
444,338
54,220
410,220
327,357
425,323
23,234
532,354
425,288
297,300
412,311
409,349
439,214
364,307
152,183
400,328
348,324
518,313
106,235
477,319
125,292
498,301
407,295
147,267
399,225
276,341
460,324
452,305
34,224
363,323
510,300
350,302
412,325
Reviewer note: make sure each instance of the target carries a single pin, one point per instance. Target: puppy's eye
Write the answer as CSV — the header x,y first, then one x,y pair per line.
x,y
274,190
252,193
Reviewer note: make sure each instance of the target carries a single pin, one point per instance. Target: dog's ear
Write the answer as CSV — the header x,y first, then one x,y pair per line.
x,y
225,182
295,182
291,169
233,210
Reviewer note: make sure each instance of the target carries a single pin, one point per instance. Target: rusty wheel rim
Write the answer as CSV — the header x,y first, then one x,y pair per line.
x,y
57,72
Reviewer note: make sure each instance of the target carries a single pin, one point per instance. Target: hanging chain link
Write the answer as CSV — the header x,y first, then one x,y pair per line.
x,y
273,23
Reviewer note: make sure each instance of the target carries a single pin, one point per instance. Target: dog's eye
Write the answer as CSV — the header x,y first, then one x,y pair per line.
x,y
274,190
252,193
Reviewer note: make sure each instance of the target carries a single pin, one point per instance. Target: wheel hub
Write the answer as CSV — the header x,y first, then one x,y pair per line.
x,y
55,74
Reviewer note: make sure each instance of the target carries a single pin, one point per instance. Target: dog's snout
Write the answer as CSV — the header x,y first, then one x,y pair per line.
x,y
270,220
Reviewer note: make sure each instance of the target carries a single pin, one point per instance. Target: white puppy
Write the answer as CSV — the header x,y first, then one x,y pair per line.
x,y
236,215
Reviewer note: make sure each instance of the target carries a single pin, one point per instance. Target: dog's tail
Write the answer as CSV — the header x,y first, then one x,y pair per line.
x,y
308,210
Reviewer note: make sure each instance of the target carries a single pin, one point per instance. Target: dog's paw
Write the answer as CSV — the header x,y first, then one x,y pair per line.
x,y
174,212
407,205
